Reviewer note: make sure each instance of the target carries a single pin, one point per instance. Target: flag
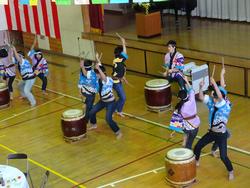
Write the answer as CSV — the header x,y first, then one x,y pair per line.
x,y
81,2
33,2
24,2
3,2
41,19
63,2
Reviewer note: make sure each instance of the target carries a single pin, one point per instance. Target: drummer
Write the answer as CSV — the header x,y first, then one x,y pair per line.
x,y
28,77
107,100
118,75
39,64
9,71
219,111
88,85
221,84
174,65
186,107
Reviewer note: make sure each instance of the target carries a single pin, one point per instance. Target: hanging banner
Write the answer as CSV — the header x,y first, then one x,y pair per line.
x,y
24,2
63,2
81,2
33,2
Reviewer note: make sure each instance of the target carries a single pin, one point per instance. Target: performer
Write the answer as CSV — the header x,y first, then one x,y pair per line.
x,y
9,71
219,111
39,64
3,55
88,85
107,100
221,84
28,77
118,75
174,65
188,110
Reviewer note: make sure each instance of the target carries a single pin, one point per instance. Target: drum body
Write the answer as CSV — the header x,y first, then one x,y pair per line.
x,y
73,125
158,94
180,167
4,96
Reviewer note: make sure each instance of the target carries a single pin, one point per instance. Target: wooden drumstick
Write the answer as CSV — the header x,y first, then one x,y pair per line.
x,y
117,34
222,61
213,71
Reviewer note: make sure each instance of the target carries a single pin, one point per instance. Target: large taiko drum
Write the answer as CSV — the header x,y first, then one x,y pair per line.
x,y
158,94
73,125
4,95
180,167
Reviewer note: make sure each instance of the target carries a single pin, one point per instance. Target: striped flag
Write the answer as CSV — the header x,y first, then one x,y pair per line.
x,y
41,19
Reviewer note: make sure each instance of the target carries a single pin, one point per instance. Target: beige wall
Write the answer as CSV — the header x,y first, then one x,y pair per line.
x,y
71,27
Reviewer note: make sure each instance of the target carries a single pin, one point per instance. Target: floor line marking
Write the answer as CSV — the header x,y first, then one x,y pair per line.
x,y
31,109
45,167
126,164
138,175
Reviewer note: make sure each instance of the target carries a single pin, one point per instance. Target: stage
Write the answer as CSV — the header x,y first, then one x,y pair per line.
x,y
206,43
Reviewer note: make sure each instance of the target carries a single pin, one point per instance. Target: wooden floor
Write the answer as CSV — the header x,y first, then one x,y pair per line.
x,y
137,160
207,35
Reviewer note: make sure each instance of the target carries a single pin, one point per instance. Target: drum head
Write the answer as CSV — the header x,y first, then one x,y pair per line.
x,y
2,85
156,83
72,113
179,154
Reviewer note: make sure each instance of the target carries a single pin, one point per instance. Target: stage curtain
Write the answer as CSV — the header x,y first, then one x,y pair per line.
x,y
96,17
235,10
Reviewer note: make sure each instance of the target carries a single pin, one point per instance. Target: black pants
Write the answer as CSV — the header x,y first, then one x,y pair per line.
x,y
215,145
191,134
44,81
181,82
10,83
218,138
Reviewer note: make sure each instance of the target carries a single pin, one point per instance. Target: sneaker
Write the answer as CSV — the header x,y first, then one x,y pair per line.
x,y
119,136
120,114
11,96
231,175
92,127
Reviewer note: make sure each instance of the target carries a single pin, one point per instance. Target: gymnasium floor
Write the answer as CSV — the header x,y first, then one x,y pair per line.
x,y
137,160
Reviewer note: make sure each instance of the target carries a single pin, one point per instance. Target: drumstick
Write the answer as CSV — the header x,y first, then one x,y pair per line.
x,y
117,34
222,61
172,134
213,71
160,72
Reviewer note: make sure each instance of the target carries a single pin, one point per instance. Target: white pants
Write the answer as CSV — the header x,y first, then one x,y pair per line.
x,y
25,87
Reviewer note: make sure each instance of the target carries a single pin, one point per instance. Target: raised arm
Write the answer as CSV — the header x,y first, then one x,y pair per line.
x,y
34,43
16,55
123,43
222,77
216,88
187,82
201,94
102,75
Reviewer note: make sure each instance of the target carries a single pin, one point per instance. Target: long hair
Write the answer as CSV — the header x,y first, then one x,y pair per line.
x,y
184,98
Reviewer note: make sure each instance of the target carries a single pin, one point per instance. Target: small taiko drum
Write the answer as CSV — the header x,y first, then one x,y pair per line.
x,y
73,125
180,167
4,95
158,94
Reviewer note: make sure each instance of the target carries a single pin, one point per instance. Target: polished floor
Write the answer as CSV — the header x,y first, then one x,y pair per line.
x,y
137,160
206,35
